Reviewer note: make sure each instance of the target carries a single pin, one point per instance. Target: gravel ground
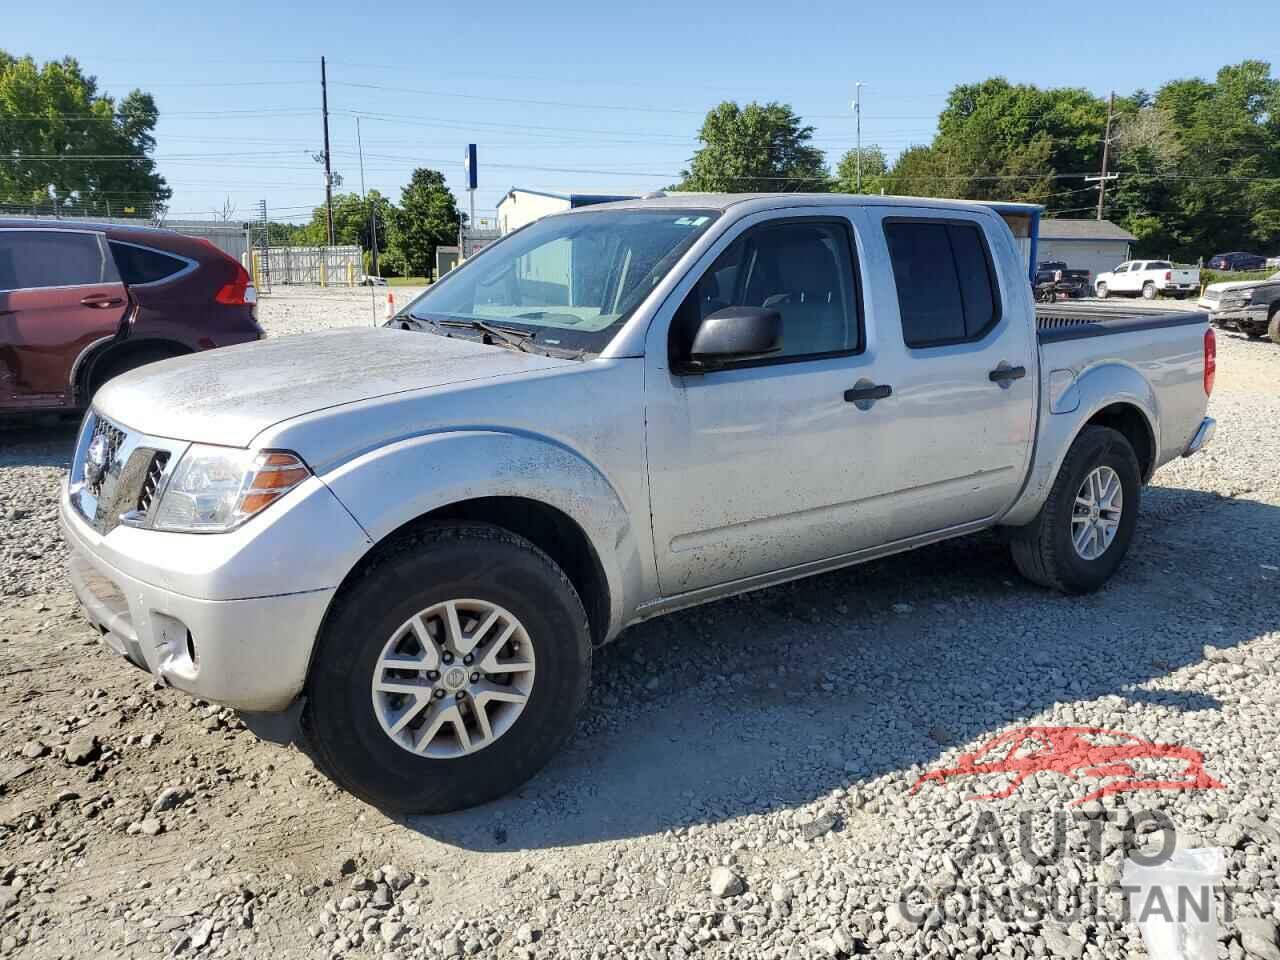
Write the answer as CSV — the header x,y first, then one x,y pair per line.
x,y
741,782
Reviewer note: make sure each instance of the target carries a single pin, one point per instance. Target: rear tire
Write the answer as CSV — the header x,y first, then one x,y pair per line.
x,y
1148,291
1102,291
1045,550
346,719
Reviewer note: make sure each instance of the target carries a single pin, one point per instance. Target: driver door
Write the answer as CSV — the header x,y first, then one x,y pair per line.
x,y
765,464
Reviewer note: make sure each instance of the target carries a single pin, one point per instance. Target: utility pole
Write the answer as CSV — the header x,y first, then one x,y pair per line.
x,y
373,214
1106,150
328,172
857,111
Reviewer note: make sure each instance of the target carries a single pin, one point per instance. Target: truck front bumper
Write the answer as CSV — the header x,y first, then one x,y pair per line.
x,y
250,653
1241,315
1203,436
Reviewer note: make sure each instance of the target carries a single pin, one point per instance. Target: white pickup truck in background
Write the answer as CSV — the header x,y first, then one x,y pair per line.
x,y
418,533
1148,278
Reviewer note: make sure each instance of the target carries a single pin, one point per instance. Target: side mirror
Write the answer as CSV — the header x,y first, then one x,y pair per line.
x,y
734,333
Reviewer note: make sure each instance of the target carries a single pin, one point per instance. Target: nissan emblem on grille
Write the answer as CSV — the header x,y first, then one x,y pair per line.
x,y
96,460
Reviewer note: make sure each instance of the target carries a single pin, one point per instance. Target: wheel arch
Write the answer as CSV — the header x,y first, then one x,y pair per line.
x,y
531,486
1111,395
110,350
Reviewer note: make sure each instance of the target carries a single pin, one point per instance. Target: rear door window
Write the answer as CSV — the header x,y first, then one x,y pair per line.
x,y
945,281
35,259
144,265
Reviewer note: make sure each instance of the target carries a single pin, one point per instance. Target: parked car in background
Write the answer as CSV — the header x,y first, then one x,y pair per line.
x,y
1148,278
1250,306
81,303
1063,281
1273,263
424,529
1237,261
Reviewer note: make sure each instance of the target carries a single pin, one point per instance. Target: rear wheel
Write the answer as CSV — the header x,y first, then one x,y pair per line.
x,y
1102,291
1148,291
1081,534
449,673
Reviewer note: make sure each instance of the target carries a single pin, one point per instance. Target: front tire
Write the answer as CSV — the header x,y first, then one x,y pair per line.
x,y
386,717
1081,534
1273,326
1102,291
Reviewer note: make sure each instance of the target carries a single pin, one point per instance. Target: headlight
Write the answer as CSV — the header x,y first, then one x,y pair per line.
x,y
214,489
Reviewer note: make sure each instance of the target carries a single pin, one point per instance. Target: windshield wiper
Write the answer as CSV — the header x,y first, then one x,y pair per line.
x,y
512,338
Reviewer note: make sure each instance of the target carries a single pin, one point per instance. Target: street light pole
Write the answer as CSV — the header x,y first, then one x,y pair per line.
x,y
857,110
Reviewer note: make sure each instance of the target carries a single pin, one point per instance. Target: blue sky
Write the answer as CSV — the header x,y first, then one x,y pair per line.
x,y
592,96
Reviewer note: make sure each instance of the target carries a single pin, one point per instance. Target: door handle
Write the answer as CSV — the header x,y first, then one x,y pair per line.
x,y
99,301
1003,375
859,394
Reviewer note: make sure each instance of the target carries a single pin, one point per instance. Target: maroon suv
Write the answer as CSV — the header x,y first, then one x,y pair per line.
x,y
81,303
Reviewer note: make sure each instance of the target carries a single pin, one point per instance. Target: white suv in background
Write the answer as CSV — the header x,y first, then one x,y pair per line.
x,y
1148,278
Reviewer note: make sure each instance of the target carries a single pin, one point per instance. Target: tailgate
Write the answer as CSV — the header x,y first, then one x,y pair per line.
x,y
1186,275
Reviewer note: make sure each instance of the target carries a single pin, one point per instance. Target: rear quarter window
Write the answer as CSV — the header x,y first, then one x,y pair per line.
x,y
945,281
139,265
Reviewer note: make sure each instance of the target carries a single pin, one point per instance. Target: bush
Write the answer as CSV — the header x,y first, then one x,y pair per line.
x,y
1233,276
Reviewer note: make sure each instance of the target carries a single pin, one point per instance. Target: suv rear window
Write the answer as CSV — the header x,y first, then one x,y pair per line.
x,y
31,259
945,282
144,265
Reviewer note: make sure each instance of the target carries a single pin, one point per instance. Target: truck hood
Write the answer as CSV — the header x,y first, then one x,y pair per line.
x,y
229,396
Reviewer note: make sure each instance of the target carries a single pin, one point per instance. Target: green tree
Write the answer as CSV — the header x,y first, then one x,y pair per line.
x,y
756,148
874,169
352,219
427,217
998,140
69,147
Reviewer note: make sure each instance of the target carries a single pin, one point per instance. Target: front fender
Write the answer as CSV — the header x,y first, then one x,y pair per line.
x,y
393,485
1092,390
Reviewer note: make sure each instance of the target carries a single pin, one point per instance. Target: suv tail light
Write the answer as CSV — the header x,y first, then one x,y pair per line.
x,y
1210,361
240,291
1168,274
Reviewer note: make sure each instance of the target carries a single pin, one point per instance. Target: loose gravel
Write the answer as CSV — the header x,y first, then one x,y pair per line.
x,y
741,781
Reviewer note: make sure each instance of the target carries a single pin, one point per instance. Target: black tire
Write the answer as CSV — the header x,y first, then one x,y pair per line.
x,y
1043,550
1273,325
1148,291
1102,291
475,561
110,367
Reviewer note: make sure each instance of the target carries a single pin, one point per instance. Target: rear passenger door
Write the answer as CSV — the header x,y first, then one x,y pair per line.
x,y
959,351
59,294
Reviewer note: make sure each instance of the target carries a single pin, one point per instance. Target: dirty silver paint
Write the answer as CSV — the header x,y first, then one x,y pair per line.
x,y
687,487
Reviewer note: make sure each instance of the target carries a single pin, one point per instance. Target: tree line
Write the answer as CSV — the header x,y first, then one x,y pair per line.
x,y
1197,161
407,234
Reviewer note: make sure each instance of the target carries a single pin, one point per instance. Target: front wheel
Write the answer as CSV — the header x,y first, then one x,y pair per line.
x,y
1148,291
449,673
1081,534
1102,291
1273,326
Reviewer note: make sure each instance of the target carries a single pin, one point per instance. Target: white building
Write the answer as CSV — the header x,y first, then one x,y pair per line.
x,y
521,206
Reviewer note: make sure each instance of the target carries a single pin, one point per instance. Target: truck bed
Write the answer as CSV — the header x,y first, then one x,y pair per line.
x,y
1057,321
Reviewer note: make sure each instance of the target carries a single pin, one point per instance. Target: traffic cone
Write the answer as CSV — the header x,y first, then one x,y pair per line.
x,y
389,310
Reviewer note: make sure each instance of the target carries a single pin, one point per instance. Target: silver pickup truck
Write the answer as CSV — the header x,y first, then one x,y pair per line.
x,y
412,537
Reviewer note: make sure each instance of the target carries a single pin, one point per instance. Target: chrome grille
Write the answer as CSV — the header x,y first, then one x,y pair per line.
x,y
125,479
1212,295
151,482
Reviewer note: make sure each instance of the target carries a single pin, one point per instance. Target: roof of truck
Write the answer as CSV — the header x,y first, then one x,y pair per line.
x,y
680,200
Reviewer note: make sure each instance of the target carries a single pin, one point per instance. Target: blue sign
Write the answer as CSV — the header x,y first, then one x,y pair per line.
x,y
469,166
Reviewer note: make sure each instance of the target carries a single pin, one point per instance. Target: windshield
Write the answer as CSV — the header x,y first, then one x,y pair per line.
x,y
568,281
